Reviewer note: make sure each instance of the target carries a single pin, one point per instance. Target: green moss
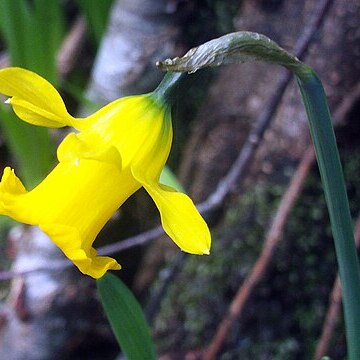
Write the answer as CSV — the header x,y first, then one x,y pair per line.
x,y
200,295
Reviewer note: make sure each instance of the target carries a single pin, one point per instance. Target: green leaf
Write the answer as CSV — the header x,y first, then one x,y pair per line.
x,y
332,178
167,177
126,318
32,44
31,147
45,40
96,14
14,26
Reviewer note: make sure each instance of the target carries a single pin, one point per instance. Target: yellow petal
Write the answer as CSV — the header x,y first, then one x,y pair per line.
x,y
86,146
11,183
180,219
155,151
10,188
33,98
71,205
69,240
139,127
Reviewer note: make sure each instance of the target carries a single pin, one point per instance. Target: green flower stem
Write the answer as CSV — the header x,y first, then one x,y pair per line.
x,y
167,87
332,178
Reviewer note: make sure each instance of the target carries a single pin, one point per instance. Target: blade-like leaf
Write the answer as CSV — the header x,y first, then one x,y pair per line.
x,y
33,44
14,26
32,147
126,318
44,39
96,14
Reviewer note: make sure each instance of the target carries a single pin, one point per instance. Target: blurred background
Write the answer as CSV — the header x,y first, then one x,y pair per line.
x,y
268,289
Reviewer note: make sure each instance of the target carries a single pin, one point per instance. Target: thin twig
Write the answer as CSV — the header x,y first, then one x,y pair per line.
x,y
275,234
130,242
259,269
105,250
56,265
71,47
330,321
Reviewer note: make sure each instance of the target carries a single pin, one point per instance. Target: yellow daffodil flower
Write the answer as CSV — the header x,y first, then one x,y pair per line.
x,y
114,152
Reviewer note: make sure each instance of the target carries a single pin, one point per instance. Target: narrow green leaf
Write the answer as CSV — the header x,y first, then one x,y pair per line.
x,y
333,182
96,14
31,146
46,39
31,44
14,26
126,318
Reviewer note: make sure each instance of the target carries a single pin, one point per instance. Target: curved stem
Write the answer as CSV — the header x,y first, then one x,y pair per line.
x,y
248,46
167,87
332,178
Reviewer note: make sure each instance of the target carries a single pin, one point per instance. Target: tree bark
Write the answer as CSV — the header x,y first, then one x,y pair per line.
x,y
49,314
140,32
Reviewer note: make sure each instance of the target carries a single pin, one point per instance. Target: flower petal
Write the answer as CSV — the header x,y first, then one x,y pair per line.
x,y
11,183
33,98
10,188
85,146
68,239
71,206
180,219
139,127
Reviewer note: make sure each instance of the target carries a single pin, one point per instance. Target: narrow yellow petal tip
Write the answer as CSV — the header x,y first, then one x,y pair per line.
x,y
10,184
99,265
33,98
180,218
69,240
190,248
199,247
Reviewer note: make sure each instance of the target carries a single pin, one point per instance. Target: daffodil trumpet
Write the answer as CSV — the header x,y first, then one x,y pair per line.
x,y
113,152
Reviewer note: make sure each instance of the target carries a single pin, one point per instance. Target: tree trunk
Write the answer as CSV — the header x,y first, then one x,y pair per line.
x,y
140,32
